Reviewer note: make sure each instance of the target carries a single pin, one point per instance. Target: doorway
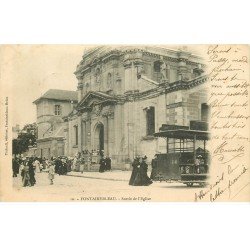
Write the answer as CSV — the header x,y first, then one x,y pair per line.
x,y
99,137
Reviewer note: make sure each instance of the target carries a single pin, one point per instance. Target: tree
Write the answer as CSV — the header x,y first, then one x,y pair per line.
x,y
27,137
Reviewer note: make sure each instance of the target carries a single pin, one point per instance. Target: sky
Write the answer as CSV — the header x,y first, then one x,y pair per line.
x,y
34,69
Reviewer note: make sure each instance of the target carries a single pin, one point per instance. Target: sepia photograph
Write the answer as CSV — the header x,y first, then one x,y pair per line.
x,y
124,125
128,122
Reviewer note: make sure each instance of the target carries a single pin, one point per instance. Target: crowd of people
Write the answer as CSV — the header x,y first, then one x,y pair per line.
x,y
27,167
85,160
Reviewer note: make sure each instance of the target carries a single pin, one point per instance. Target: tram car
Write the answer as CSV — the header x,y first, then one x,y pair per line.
x,y
186,159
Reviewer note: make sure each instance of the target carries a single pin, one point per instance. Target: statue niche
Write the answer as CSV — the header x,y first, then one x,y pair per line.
x,y
98,76
109,81
160,71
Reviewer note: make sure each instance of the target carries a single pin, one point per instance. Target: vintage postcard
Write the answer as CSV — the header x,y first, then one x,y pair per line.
x,y
134,123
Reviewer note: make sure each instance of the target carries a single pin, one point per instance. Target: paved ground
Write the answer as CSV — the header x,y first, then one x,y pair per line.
x,y
91,186
117,175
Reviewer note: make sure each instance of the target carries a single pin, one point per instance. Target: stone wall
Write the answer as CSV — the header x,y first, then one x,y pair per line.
x,y
50,147
46,114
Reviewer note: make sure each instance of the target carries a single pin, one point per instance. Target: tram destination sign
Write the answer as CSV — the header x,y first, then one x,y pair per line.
x,y
172,127
199,125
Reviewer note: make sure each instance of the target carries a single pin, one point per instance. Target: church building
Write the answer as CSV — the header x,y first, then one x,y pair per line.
x,y
126,93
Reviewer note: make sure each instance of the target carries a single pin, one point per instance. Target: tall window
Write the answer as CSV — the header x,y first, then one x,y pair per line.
x,y
157,66
58,110
109,81
150,121
97,75
157,71
76,134
205,112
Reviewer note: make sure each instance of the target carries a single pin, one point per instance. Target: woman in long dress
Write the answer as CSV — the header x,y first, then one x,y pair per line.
x,y
142,178
136,166
32,172
25,174
145,180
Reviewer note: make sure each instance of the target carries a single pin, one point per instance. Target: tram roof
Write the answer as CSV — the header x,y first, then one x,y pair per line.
x,y
184,134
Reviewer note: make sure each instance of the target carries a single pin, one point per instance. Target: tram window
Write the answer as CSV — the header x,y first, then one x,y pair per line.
x,y
150,118
204,112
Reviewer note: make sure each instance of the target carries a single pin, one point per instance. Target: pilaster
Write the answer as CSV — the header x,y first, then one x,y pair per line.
x,y
79,125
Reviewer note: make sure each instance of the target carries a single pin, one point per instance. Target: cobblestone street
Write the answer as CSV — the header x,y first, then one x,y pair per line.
x,y
103,186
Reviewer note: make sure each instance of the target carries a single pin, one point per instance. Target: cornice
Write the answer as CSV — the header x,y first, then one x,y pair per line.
x,y
135,57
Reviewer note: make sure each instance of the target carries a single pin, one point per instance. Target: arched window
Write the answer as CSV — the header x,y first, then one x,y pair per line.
x,y
97,75
109,81
150,121
157,66
157,71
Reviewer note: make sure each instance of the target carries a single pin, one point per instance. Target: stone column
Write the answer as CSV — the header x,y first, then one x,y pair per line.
x,y
70,138
106,134
118,130
111,134
128,73
66,138
80,86
182,66
129,129
79,124
89,134
84,135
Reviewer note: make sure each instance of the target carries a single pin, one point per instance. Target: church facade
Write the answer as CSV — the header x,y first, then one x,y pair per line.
x,y
125,94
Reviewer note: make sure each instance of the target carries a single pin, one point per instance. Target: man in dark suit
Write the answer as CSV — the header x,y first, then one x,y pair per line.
x,y
108,163
102,165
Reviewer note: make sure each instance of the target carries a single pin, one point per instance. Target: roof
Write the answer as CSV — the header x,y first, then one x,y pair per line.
x,y
58,94
99,53
184,134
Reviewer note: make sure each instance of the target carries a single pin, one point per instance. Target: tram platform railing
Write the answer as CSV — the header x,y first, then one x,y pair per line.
x,y
193,169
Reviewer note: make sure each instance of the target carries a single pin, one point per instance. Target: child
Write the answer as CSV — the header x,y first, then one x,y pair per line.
x,y
51,172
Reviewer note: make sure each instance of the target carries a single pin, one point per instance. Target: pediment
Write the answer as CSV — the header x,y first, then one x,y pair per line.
x,y
94,98
92,101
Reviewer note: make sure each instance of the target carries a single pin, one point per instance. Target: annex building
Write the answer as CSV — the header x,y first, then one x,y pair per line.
x,y
51,107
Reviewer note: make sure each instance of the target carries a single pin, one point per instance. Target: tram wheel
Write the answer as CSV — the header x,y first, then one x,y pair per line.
x,y
190,184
